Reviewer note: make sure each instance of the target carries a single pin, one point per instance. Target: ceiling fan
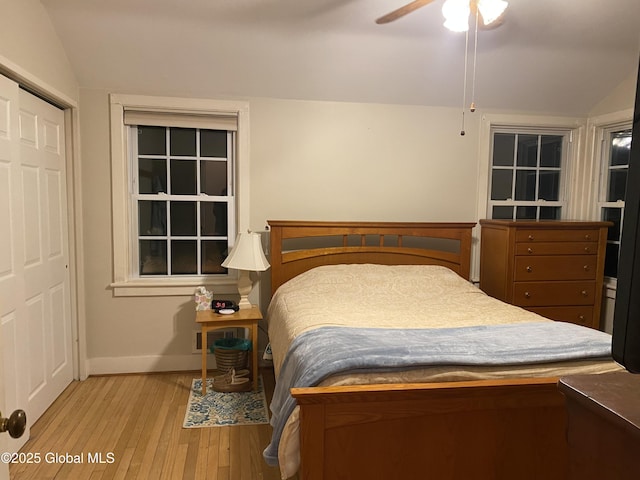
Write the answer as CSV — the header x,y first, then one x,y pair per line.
x,y
457,12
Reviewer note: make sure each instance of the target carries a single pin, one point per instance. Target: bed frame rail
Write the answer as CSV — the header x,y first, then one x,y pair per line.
x,y
481,430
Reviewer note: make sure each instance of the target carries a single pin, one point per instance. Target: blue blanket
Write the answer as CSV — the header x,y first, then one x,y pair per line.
x,y
316,354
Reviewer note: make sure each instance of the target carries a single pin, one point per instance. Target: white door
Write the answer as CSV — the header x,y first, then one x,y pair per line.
x,y
34,278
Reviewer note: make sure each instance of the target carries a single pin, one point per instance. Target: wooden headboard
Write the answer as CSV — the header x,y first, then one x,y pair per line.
x,y
299,246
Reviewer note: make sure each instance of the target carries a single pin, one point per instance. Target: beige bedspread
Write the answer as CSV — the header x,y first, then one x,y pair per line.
x,y
404,296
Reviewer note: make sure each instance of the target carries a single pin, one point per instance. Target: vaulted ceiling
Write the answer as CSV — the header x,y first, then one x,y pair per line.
x,y
550,56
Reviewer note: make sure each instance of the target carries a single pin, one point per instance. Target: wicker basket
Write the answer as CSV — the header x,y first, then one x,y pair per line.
x,y
228,357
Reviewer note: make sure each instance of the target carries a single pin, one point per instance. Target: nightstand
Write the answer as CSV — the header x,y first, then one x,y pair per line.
x,y
243,318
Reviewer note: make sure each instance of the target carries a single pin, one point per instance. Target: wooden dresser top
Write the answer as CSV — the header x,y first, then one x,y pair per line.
x,y
546,223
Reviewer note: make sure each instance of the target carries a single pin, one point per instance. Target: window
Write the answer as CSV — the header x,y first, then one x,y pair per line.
x,y
616,150
179,192
526,178
182,199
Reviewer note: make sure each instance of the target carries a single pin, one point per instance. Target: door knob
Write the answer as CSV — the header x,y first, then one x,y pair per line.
x,y
15,424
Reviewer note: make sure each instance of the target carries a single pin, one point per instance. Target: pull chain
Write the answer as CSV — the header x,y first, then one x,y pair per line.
x,y
472,108
464,84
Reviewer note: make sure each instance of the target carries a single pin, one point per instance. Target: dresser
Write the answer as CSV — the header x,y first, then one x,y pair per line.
x,y
554,268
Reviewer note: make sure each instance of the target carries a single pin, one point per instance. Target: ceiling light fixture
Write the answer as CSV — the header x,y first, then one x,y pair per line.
x,y
457,12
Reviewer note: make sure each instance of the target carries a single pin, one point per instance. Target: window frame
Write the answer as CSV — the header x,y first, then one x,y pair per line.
x,y
137,197
126,280
514,168
604,127
546,124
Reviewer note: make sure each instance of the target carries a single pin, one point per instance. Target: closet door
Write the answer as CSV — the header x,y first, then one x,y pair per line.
x,y
35,314
46,251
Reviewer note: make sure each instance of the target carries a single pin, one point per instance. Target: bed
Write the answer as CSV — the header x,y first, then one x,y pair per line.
x,y
390,364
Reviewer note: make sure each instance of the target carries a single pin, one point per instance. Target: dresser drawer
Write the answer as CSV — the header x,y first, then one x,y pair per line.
x,y
569,267
557,248
581,315
532,294
568,235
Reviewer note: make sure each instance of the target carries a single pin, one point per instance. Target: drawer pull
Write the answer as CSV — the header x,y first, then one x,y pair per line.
x,y
584,293
527,295
587,237
529,269
529,250
581,318
586,268
530,237
587,249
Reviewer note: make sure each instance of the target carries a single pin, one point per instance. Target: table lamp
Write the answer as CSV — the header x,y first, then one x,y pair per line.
x,y
246,256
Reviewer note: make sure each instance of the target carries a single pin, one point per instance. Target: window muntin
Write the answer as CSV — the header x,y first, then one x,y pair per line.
x,y
527,174
183,200
616,154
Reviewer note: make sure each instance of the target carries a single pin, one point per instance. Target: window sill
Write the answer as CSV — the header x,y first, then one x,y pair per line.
x,y
172,287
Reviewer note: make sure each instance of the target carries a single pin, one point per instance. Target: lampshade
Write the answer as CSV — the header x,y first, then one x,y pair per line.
x,y
247,254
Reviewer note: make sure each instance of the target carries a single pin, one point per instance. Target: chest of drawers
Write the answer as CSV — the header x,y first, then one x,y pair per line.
x,y
554,268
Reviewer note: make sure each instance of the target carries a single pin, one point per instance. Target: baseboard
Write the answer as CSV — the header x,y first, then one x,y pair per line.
x,y
147,363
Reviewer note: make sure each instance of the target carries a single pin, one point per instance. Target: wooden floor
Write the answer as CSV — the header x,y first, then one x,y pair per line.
x,y
136,421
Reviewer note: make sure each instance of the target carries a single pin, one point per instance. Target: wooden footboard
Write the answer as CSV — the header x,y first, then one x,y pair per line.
x,y
497,429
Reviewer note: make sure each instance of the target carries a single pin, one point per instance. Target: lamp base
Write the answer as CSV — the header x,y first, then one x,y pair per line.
x,y
245,285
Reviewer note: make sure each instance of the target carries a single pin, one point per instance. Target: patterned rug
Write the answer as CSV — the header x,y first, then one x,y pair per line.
x,y
218,409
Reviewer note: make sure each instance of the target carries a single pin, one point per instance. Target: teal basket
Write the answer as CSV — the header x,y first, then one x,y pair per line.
x,y
231,353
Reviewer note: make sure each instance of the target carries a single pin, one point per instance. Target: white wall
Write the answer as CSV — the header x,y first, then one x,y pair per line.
x,y
346,161
30,48
309,160
621,98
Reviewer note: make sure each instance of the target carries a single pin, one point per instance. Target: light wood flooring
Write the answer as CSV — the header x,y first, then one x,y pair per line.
x,y
138,419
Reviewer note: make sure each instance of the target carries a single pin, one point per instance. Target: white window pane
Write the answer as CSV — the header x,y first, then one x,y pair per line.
x,y
550,213
620,148
184,257
183,218
213,177
617,185
527,151
152,218
502,213
501,184
503,149
213,219
183,142
526,213
153,257
213,143
152,141
525,185
213,254
549,187
183,177
551,151
152,175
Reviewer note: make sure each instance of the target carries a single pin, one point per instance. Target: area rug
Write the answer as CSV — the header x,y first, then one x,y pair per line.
x,y
218,409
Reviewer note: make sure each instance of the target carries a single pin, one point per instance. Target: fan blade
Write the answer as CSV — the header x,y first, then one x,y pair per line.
x,y
402,11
